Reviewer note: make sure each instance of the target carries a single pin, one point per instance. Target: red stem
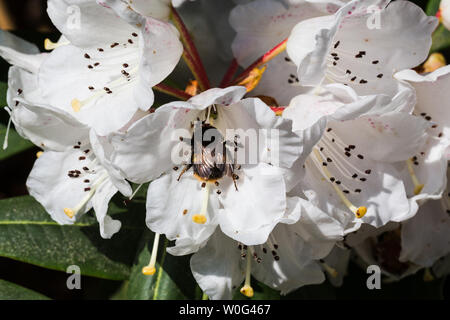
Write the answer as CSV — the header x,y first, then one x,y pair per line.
x,y
269,55
199,70
228,77
172,91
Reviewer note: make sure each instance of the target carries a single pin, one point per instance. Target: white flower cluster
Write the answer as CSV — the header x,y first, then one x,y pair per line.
x,y
352,142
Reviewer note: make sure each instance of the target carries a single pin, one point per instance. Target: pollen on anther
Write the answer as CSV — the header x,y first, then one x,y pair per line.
x,y
76,105
69,212
360,212
148,271
199,218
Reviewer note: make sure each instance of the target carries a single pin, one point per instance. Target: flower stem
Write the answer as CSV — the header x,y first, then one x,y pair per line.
x,y
191,55
172,91
228,77
269,55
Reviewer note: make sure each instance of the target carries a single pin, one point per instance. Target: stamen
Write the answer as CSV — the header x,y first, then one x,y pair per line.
x,y
150,269
5,141
76,105
417,185
201,217
427,276
107,89
247,290
50,45
71,212
135,191
330,270
360,211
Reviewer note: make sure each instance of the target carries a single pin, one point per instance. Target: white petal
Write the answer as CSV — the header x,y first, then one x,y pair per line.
x,y
262,24
144,152
171,205
226,97
47,127
425,237
393,136
360,46
19,52
103,150
250,214
50,184
294,267
432,95
85,23
62,84
217,267
276,142
100,201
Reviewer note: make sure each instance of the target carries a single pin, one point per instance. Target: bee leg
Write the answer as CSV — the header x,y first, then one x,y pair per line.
x,y
230,172
186,168
235,177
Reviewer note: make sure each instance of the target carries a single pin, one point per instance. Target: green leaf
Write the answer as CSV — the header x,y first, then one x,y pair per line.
x,y
432,7
441,39
28,234
173,279
11,291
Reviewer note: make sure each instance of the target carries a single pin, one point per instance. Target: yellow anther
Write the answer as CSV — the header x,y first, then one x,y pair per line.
x,y
148,271
192,88
331,271
253,79
417,185
434,62
69,212
76,105
50,45
39,153
427,276
247,291
418,189
199,218
361,212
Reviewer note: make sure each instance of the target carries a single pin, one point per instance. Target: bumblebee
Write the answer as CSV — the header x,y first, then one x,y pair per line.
x,y
209,162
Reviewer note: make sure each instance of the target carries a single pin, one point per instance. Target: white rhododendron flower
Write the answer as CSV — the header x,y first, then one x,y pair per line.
x,y
73,174
286,261
271,22
114,62
177,199
349,47
352,180
425,237
432,98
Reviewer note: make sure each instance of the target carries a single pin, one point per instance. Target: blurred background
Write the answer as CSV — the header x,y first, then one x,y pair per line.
x,y
28,19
